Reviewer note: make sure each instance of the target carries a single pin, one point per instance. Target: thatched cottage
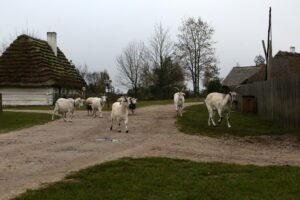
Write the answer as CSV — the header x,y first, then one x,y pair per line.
x,y
36,72
243,75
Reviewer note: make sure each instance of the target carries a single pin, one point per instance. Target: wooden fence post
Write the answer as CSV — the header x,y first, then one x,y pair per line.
x,y
0,102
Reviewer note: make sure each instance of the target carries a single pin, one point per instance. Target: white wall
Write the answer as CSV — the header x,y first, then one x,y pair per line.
x,y
27,96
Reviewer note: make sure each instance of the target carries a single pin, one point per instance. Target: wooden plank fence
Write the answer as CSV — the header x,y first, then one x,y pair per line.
x,y
0,102
277,99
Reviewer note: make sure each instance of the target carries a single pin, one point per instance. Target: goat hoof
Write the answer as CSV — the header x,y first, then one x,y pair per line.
x,y
127,131
119,131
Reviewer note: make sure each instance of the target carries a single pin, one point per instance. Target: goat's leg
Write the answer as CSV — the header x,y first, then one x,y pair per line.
x,y
176,107
100,112
228,120
55,110
71,115
119,123
64,116
211,116
126,128
220,115
111,125
181,110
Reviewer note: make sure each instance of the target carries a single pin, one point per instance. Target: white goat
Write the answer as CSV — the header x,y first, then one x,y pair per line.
x,y
119,113
94,104
88,103
64,106
178,102
97,105
220,103
131,103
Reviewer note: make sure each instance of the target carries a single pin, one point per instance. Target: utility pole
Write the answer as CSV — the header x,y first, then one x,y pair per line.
x,y
268,51
107,90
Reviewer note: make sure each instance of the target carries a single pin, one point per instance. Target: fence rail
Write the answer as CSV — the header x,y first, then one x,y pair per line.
x,y
277,99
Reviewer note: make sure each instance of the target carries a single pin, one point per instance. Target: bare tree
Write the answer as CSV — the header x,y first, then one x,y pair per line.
x,y
161,46
130,65
96,82
195,49
82,69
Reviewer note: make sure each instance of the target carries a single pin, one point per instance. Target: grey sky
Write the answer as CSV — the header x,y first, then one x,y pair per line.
x,y
94,32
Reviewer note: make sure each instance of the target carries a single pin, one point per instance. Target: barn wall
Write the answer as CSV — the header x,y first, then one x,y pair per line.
x,y
27,96
277,99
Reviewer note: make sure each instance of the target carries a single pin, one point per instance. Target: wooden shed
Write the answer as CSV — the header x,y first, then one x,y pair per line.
x,y
36,72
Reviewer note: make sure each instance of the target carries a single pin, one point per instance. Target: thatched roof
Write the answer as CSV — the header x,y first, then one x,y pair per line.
x,y
30,62
285,64
239,75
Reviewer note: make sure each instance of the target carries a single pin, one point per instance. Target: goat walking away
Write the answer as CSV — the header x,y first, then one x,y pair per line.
x,y
95,104
220,103
64,106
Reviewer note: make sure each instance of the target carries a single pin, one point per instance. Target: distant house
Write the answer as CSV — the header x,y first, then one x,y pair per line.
x,y
243,75
36,72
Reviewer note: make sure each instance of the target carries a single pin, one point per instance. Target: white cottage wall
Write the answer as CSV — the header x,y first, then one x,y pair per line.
x,y
27,96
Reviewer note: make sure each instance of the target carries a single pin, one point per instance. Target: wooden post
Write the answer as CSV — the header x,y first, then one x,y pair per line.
x,y
0,102
269,47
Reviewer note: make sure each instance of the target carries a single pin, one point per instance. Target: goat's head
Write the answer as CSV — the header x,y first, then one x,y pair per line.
x,y
104,98
233,96
132,100
123,100
78,102
180,94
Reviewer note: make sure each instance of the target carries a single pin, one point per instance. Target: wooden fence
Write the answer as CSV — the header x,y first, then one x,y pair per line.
x,y
277,99
0,102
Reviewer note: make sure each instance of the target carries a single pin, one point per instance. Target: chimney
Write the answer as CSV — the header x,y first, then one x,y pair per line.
x,y
292,50
51,39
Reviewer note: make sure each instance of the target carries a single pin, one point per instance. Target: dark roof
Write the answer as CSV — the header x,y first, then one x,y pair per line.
x,y
239,75
31,62
285,64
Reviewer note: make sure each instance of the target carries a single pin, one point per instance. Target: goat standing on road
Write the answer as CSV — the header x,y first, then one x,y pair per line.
x,y
220,103
178,102
119,113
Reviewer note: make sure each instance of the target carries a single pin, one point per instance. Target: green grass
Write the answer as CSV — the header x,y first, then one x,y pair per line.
x,y
170,179
194,121
17,120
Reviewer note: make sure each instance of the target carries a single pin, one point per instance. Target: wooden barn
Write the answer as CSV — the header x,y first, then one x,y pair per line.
x,y
244,75
36,72
273,94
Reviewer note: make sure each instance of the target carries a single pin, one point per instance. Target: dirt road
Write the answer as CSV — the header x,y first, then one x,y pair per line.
x,y
43,154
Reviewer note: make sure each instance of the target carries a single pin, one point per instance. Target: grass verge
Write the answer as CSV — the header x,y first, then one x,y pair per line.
x,y
194,121
163,178
16,120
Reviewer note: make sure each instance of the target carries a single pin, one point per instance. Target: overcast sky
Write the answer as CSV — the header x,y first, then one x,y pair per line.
x,y
94,32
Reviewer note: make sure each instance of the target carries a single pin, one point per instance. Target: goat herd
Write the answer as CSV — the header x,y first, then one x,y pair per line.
x,y
215,102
